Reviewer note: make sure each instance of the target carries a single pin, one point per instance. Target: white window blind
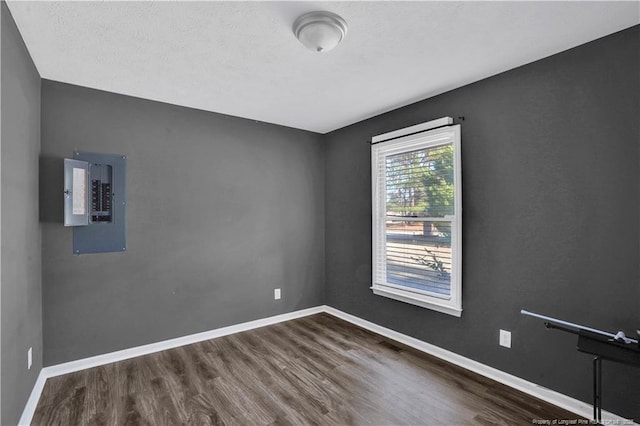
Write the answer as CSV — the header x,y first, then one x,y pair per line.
x,y
416,183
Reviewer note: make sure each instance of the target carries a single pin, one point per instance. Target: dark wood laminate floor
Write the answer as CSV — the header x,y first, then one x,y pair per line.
x,y
313,370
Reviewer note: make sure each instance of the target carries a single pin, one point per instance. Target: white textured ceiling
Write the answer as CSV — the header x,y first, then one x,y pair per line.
x,y
241,58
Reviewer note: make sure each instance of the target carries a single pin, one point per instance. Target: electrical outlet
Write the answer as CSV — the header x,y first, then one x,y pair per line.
x,y
29,358
276,294
505,338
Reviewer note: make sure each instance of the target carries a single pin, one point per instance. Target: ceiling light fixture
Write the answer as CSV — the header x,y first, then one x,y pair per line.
x,y
320,31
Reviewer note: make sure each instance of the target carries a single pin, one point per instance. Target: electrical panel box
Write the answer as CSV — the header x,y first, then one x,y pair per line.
x,y
95,202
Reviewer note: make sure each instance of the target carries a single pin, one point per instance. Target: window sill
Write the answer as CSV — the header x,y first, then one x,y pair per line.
x,y
416,299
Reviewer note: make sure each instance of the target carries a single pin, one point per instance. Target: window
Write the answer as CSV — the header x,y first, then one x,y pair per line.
x,y
417,216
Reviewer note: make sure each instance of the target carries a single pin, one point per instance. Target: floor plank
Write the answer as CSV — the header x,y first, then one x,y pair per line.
x,y
316,370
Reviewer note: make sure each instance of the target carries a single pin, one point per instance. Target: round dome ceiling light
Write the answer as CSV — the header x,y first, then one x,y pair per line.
x,y
320,31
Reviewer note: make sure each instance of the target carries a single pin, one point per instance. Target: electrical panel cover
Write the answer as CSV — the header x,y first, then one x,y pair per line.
x,y
95,202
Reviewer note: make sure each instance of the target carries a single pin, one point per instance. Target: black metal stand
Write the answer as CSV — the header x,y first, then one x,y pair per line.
x,y
597,389
605,349
602,348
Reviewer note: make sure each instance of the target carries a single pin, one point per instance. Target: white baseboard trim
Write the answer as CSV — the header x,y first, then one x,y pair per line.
x,y
32,402
96,361
578,407
568,403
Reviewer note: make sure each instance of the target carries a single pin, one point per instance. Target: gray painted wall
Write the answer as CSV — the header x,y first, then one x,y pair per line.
x,y
21,290
221,210
551,189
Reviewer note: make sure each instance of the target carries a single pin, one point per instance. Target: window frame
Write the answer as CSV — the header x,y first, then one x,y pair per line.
x,y
444,134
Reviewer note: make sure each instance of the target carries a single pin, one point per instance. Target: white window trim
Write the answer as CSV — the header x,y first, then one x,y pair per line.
x,y
424,139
